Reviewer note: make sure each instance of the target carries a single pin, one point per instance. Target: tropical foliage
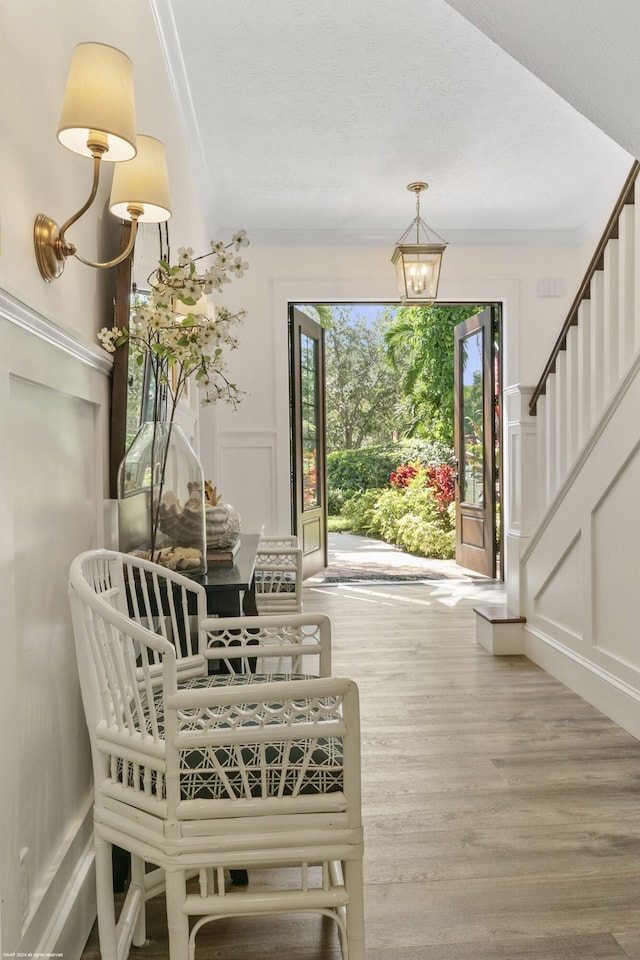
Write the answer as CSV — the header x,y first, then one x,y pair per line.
x,y
420,342
363,399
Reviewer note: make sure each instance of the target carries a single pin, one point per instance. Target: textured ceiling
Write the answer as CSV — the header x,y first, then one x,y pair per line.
x,y
307,120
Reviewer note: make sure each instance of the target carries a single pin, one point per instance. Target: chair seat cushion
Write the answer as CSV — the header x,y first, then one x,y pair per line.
x,y
252,770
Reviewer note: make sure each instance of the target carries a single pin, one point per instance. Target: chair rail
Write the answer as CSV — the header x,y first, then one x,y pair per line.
x,y
596,263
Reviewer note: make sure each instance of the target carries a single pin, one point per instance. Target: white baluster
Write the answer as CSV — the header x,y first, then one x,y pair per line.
x,y
541,453
572,395
627,286
584,372
611,319
636,292
596,359
551,479
561,417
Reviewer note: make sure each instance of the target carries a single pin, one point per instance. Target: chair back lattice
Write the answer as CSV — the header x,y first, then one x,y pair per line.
x,y
284,540
278,576
285,643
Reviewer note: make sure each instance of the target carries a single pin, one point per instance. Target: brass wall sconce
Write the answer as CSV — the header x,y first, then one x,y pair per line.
x,y
418,262
98,121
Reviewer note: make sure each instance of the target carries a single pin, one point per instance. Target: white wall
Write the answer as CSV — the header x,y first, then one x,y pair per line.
x,y
54,401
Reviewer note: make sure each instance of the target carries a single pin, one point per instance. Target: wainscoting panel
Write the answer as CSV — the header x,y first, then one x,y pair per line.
x,y
54,402
579,574
558,602
615,532
247,478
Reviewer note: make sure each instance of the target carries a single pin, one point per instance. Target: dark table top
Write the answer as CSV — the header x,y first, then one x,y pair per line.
x,y
240,575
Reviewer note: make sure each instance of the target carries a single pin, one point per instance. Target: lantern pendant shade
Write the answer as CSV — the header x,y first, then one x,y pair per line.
x,y
99,103
418,261
142,184
418,270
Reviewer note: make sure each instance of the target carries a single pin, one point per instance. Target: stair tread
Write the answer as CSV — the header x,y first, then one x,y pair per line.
x,y
498,614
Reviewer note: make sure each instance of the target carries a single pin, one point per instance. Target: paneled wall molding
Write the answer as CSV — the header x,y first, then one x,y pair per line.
x,y
54,400
575,470
52,333
245,455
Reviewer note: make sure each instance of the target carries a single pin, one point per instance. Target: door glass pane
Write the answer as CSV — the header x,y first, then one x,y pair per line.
x,y
309,388
472,425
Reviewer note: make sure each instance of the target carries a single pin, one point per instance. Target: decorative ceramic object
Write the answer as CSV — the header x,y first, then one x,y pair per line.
x,y
161,513
223,526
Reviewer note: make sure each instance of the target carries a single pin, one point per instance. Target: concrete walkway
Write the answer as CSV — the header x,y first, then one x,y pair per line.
x,y
364,558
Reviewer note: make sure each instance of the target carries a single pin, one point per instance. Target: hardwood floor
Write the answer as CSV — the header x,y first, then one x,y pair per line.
x,y
502,812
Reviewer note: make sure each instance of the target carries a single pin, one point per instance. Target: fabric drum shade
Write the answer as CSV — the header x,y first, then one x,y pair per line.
x,y
99,98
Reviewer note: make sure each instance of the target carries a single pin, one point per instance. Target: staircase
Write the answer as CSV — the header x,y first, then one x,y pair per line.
x,y
574,528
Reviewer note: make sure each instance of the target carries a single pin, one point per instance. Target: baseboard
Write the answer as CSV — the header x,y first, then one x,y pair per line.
x,y
60,922
606,692
77,914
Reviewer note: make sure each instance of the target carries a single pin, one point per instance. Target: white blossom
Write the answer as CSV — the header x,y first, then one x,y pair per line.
x,y
191,343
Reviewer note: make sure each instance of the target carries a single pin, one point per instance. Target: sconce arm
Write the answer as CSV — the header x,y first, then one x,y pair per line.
x,y
52,248
122,256
83,209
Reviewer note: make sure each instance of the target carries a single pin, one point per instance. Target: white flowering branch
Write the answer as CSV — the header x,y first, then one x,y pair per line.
x,y
181,342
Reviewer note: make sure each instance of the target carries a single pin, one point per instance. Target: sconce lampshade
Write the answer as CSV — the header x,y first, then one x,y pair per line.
x,y
142,183
99,100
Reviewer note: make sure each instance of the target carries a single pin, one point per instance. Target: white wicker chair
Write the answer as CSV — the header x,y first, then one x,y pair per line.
x,y
278,575
200,774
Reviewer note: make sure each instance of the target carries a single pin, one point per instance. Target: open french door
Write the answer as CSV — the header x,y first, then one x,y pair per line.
x,y
308,440
476,393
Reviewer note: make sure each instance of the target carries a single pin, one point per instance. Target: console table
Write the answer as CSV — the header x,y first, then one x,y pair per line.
x,y
230,590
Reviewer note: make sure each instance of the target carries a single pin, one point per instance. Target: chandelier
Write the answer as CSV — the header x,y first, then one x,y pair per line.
x,y
418,260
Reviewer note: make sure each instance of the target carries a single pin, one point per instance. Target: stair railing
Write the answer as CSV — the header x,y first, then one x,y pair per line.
x,y
596,263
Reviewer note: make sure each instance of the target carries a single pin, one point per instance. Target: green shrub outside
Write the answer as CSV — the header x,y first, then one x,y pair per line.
x,y
351,472
360,512
338,524
408,517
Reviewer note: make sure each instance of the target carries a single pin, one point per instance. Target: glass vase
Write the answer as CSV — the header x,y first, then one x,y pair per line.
x,y
161,513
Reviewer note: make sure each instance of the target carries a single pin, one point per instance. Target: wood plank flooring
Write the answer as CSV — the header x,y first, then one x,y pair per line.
x,y
501,812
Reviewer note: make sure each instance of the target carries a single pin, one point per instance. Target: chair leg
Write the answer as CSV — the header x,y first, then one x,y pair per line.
x,y
354,883
177,920
137,879
104,895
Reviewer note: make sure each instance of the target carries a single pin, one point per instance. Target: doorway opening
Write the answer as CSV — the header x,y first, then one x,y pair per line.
x,y
380,392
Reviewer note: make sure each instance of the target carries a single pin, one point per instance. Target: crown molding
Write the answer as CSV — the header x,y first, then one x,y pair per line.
x,y
294,237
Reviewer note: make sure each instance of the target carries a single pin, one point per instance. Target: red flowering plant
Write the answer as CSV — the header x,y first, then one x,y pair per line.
x,y
438,478
403,475
441,479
